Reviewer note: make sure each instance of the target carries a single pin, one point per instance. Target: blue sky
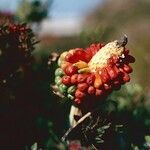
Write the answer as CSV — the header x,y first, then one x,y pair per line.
x,y
66,15
60,8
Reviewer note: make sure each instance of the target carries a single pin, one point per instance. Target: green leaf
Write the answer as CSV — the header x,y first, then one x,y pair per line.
x,y
100,141
34,146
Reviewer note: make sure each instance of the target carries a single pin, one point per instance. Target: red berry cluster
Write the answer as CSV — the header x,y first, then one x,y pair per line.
x,y
16,44
93,84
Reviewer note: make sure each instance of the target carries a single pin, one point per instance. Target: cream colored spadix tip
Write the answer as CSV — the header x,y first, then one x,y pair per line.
x,y
100,59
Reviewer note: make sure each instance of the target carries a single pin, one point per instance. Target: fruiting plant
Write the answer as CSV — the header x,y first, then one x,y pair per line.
x,y
16,45
87,76
17,42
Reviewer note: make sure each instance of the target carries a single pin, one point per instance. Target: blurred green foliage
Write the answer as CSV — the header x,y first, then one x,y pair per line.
x,y
33,11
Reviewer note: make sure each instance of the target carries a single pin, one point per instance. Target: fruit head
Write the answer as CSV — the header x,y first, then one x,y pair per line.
x,y
93,72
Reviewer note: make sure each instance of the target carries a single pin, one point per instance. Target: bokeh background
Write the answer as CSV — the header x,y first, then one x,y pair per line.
x,y
33,114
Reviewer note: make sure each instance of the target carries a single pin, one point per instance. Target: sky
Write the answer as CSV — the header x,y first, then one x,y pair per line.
x,y
66,16
72,8
60,8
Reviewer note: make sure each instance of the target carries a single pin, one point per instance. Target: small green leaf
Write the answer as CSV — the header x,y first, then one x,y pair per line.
x,y
58,80
100,141
71,89
34,146
59,72
70,96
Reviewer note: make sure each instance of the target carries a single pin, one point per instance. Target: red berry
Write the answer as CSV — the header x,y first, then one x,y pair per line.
x,y
127,68
87,57
79,94
89,54
91,90
104,75
112,73
82,86
66,80
74,78
116,69
82,78
126,77
93,49
90,79
80,54
77,100
70,58
70,70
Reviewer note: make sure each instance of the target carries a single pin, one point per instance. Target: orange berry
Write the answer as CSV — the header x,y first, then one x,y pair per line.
x,y
98,81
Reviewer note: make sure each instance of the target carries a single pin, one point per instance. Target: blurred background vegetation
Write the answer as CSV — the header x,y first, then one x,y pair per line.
x,y
37,115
